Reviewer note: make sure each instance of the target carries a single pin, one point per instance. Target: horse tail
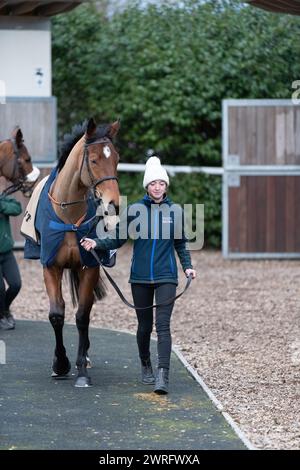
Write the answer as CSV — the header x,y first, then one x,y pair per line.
x,y
74,286
99,290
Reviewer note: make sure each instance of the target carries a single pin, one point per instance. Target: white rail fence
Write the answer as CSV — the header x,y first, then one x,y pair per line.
x,y
171,169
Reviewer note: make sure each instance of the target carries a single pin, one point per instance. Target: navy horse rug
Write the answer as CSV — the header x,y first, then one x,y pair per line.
x,y
50,231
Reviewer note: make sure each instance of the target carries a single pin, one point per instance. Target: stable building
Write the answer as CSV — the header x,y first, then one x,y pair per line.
x,y
26,80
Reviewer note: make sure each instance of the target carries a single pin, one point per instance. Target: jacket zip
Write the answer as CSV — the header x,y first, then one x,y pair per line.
x,y
153,247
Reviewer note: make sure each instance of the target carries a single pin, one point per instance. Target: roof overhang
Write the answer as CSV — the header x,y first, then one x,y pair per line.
x,y
37,7
278,6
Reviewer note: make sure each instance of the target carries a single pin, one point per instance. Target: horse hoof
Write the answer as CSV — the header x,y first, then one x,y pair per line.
x,y
61,369
54,375
83,382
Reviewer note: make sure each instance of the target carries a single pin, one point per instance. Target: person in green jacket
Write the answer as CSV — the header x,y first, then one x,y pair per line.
x,y
9,270
159,233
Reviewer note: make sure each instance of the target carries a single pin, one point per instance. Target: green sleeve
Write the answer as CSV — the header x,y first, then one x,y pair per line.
x,y
9,206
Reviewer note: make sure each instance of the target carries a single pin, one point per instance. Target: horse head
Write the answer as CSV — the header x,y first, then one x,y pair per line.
x,y
99,166
16,165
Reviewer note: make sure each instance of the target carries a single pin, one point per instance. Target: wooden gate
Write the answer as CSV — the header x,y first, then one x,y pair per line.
x,y
261,182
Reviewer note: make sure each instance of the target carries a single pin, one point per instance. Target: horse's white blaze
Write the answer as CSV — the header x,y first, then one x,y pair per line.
x,y
106,151
33,175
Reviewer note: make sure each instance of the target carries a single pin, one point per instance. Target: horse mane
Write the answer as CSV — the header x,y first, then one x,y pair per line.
x,y
69,140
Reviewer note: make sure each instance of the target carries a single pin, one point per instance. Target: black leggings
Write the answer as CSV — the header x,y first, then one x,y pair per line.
x,y
143,295
9,271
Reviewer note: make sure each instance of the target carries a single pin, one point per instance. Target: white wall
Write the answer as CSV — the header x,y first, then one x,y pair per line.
x,y
25,51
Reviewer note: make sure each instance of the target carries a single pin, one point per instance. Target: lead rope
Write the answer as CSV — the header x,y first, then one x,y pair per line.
x,y
120,294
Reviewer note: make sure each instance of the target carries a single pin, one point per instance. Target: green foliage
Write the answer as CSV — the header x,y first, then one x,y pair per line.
x,y
131,186
165,70
74,52
201,189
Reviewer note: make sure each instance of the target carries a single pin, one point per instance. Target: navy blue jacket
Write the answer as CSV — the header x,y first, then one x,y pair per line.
x,y
160,233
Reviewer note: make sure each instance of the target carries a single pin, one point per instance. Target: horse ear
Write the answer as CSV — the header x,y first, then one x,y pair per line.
x,y
17,135
19,138
91,127
114,128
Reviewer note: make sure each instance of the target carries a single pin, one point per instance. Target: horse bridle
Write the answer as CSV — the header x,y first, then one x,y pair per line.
x,y
17,169
85,159
94,182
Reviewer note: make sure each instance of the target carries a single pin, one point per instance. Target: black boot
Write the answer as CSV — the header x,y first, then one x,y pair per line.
x,y
10,319
4,325
162,381
147,373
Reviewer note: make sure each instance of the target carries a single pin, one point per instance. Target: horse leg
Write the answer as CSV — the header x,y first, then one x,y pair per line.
x,y
88,280
53,277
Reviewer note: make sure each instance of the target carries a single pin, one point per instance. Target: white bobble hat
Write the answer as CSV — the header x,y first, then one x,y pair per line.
x,y
154,171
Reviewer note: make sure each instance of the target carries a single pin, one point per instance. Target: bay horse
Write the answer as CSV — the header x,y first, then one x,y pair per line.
x,y
16,164
88,164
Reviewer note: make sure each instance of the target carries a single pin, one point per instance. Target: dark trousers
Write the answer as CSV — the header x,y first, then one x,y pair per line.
x,y
143,295
9,271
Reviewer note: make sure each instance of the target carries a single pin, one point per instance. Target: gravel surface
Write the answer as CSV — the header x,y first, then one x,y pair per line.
x,y
238,326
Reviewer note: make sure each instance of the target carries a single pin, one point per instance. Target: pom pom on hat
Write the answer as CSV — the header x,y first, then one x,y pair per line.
x,y
153,161
154,171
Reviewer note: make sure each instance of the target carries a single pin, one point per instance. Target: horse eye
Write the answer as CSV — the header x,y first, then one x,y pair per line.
x,y
93,161
27,160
